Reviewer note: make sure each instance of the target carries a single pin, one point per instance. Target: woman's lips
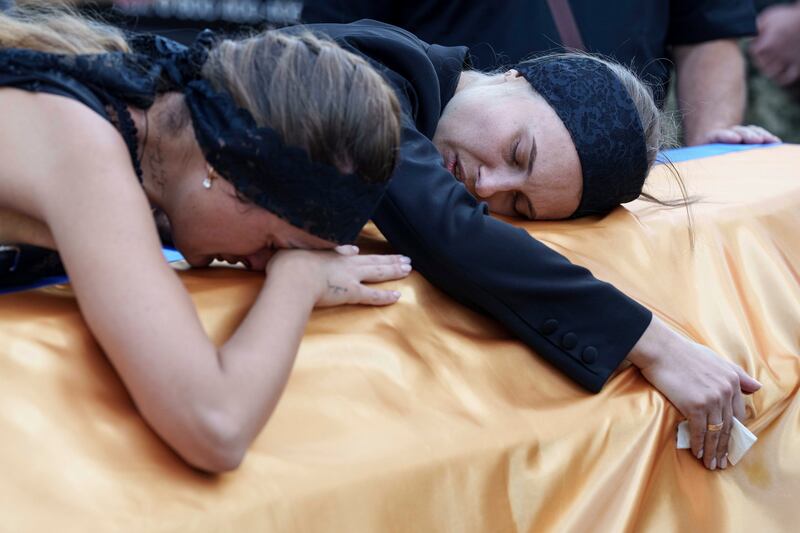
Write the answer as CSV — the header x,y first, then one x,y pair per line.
x,y
456,168
450,164
461,176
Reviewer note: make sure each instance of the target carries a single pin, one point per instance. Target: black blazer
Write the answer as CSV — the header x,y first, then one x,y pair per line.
x,y
583,326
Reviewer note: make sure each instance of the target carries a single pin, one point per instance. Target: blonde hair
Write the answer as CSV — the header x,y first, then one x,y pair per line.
x,y
312,92
57,30
316,95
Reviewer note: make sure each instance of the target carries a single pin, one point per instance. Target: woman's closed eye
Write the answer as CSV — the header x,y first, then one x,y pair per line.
x,y
514,158
522,206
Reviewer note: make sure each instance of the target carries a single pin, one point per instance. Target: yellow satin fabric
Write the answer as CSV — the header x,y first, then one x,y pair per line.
x,y
425,416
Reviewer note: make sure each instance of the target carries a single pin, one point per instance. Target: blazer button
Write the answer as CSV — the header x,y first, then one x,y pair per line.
x,y
549,327
589,355
569,340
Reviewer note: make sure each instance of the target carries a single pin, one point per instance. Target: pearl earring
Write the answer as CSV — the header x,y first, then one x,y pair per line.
x,y
209,177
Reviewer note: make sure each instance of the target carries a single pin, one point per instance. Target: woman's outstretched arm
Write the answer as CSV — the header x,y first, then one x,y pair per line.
x,y
583,326
72,170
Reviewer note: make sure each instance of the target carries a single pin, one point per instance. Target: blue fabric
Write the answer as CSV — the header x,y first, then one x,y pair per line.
x,y
170,255
677,155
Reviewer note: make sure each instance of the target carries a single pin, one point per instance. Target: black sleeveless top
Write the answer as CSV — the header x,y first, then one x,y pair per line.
x,y
106,84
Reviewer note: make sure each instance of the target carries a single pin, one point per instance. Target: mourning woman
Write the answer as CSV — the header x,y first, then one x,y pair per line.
x,y
247,147
557,137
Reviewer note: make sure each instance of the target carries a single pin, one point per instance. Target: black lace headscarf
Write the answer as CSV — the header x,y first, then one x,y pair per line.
x,y
603,122
310,195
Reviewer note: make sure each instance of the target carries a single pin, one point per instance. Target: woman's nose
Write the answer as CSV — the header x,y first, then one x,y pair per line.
x,y
490,182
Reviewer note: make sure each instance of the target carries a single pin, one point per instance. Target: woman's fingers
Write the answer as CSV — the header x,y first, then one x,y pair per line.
x,y
378,273
377,268
346,249
697,432
712,438
720,422
362,260
724,436
368,296
738,406
747,383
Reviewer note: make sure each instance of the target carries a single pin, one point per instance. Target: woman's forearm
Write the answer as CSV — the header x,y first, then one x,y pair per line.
x,y
583,326
259,356
237,399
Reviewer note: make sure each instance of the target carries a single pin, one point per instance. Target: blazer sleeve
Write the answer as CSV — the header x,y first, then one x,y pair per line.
x,y
583,326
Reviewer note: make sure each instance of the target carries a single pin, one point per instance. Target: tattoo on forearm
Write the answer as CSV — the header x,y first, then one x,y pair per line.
x,y
336,288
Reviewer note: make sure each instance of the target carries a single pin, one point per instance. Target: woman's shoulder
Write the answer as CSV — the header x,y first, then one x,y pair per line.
x,y
49,116
44,137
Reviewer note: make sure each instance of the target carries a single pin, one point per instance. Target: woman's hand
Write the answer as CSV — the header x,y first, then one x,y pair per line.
x,y
705,388
338,277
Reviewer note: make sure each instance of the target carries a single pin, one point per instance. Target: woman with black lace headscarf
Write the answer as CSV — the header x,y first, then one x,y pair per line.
x,y
250,148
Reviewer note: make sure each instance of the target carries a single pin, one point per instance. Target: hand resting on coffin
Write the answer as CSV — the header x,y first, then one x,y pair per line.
x,y
705,388
339,275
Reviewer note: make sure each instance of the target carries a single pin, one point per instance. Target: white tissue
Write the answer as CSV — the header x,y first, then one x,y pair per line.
x,y
742,439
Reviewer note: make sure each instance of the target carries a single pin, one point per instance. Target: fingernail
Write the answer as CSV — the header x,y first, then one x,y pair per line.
x,y
405,268
404,259
713,464
700,454
723,463
396,294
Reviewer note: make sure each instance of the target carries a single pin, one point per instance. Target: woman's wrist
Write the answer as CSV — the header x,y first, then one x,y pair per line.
x,y
298,271
656,341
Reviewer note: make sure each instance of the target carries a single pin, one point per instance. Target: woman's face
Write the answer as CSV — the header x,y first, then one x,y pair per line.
x,y
213,223
509,148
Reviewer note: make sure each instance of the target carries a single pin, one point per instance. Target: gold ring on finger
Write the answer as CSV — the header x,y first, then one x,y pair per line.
x,y
715,427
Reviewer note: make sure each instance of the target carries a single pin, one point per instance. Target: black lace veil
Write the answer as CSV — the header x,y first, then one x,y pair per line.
x,y
283,179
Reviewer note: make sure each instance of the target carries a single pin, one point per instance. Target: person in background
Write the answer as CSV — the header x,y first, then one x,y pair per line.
x,y
774,69
698,36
